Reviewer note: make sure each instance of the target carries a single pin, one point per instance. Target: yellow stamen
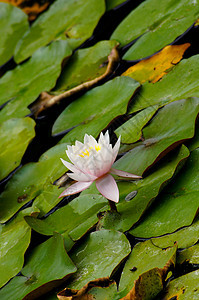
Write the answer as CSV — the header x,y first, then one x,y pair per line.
x,y
84,153
97,148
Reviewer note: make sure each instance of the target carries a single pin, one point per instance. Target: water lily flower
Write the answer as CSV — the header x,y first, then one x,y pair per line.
x,y
92,161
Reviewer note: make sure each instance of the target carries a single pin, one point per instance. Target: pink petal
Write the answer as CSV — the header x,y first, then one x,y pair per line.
x,y
76,188
124,174
80,176
107,186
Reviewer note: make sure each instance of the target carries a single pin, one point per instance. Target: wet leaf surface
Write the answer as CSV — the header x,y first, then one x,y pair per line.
x,y
71,20
181,197
147,190
30,181
93,119
156,24
13,24
145,271
21,86
152,69
190,255
74,219
170,88
185,237
184,287
46,266
15,239
89,255
14,134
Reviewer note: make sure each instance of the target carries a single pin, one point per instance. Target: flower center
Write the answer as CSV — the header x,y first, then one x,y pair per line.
x,y
86,151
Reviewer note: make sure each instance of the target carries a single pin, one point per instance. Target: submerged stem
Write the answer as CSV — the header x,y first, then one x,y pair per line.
x,y
112,205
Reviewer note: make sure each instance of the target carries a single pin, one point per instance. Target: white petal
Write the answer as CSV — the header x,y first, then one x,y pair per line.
x,y
76,188
124,174
69,166
107,186
116,149
80,176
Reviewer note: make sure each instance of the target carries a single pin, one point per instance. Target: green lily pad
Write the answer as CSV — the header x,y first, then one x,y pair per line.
x,y
145,270
190,255
160,135
13,24
177,206
14,134
21,86
95,113
70,20
183,288
85,65
30,181
74,219
46,267
110,4
131,130
146,191
156,24
98,256
170,88
185,237
15,239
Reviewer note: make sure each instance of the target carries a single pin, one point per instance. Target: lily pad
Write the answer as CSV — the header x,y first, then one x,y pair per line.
x,y
47,266
183,288
185,237
22,86
15,239
145,270
84,65
13,24
89,256
14,134
190,255
30,181
160,135
95,114
146,191
70,20
177,206
74,219
170,88
154,68
131,131
156,24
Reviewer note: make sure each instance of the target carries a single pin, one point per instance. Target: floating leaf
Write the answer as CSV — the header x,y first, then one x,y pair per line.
x,y
30,181
71,20
145,271
154,68
110,4
47,266
14,134
89,256
131,131
185,237
74,219
85,68
95,114
146,191
22,86
190,255
102,288
31,9
160,135
15,239
13,24
181,197
183,288
156,24
170,88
